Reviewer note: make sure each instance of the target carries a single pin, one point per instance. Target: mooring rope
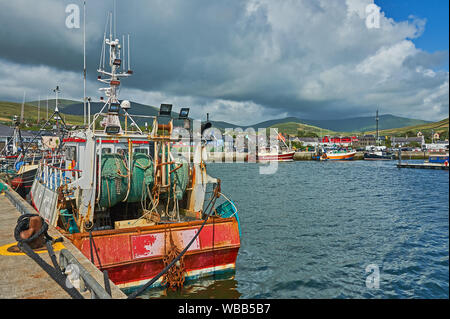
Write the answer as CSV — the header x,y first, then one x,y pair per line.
x,y
23,224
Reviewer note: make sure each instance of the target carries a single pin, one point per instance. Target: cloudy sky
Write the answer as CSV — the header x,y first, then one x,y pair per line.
x,y
241,61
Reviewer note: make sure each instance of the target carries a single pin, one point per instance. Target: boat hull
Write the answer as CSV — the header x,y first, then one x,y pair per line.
x,y
134,256
23,181
283,157
335,157
378,158
438,159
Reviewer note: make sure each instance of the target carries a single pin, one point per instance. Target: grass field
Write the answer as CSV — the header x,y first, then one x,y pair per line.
x,y
9,109
293,128
440,127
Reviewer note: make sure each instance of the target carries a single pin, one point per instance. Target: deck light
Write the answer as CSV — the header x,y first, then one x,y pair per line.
x,y
114,108
112,129
184,112
165,109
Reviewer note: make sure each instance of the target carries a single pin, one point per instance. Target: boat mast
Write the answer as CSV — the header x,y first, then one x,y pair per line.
x,y
84,62
39,109
112,78
376,119
22,109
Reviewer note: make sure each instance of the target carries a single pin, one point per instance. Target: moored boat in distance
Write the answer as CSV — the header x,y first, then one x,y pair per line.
x,y
378,153
334,154
270,155
438,158
275,152
133,205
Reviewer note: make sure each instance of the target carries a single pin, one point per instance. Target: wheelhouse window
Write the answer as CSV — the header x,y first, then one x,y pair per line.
x,y
71,153
141,150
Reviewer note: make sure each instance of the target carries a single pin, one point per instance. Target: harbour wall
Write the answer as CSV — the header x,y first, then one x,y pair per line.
x,y
301,156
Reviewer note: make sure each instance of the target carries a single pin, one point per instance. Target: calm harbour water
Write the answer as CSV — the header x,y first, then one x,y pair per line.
x,y
311,229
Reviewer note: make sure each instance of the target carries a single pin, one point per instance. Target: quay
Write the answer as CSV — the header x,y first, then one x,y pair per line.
x,y
22,278
298,156
423,166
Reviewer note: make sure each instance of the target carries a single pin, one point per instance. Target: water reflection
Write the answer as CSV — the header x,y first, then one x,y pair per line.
x,y
221,287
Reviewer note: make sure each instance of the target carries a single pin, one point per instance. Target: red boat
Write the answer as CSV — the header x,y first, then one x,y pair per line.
x,y
274,153
282,156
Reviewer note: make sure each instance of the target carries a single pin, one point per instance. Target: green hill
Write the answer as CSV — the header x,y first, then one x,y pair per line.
x,y
367,123
440,127
294,128
356,124
9,109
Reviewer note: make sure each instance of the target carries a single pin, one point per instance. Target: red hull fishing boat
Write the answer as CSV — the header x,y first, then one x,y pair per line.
x,y
282,156
133,205
275,153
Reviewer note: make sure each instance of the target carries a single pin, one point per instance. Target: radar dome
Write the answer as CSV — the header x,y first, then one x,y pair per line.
x,y
125,104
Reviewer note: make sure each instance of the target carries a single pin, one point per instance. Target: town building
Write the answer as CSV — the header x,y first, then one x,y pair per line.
x,y
437,146
402,141
366,140
6,133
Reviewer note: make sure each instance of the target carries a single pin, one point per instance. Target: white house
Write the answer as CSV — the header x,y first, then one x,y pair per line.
x,y
402,141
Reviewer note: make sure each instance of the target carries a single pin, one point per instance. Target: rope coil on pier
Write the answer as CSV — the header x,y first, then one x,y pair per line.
x,y
28,236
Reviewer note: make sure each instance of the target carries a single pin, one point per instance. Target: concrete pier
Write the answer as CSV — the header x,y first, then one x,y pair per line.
x,y
423,166
21,277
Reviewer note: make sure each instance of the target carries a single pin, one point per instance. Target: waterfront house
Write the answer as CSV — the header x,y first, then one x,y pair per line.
x,y
366,140
402,141
6,133
307,141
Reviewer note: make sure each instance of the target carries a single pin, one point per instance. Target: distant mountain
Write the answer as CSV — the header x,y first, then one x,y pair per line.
x,y
362,124
355,124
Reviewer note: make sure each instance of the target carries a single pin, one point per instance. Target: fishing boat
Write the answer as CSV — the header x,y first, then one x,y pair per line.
x,y
129,202
438,158
379,153
23,159
17,165
334,154
276,152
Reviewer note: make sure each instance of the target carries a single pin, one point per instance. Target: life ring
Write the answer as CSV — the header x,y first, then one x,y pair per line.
x,y
446,163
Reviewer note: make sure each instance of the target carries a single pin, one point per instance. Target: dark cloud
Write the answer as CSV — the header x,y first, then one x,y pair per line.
x,y
312,59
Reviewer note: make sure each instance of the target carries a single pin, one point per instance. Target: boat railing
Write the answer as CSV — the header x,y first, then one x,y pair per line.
x,y
54,176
